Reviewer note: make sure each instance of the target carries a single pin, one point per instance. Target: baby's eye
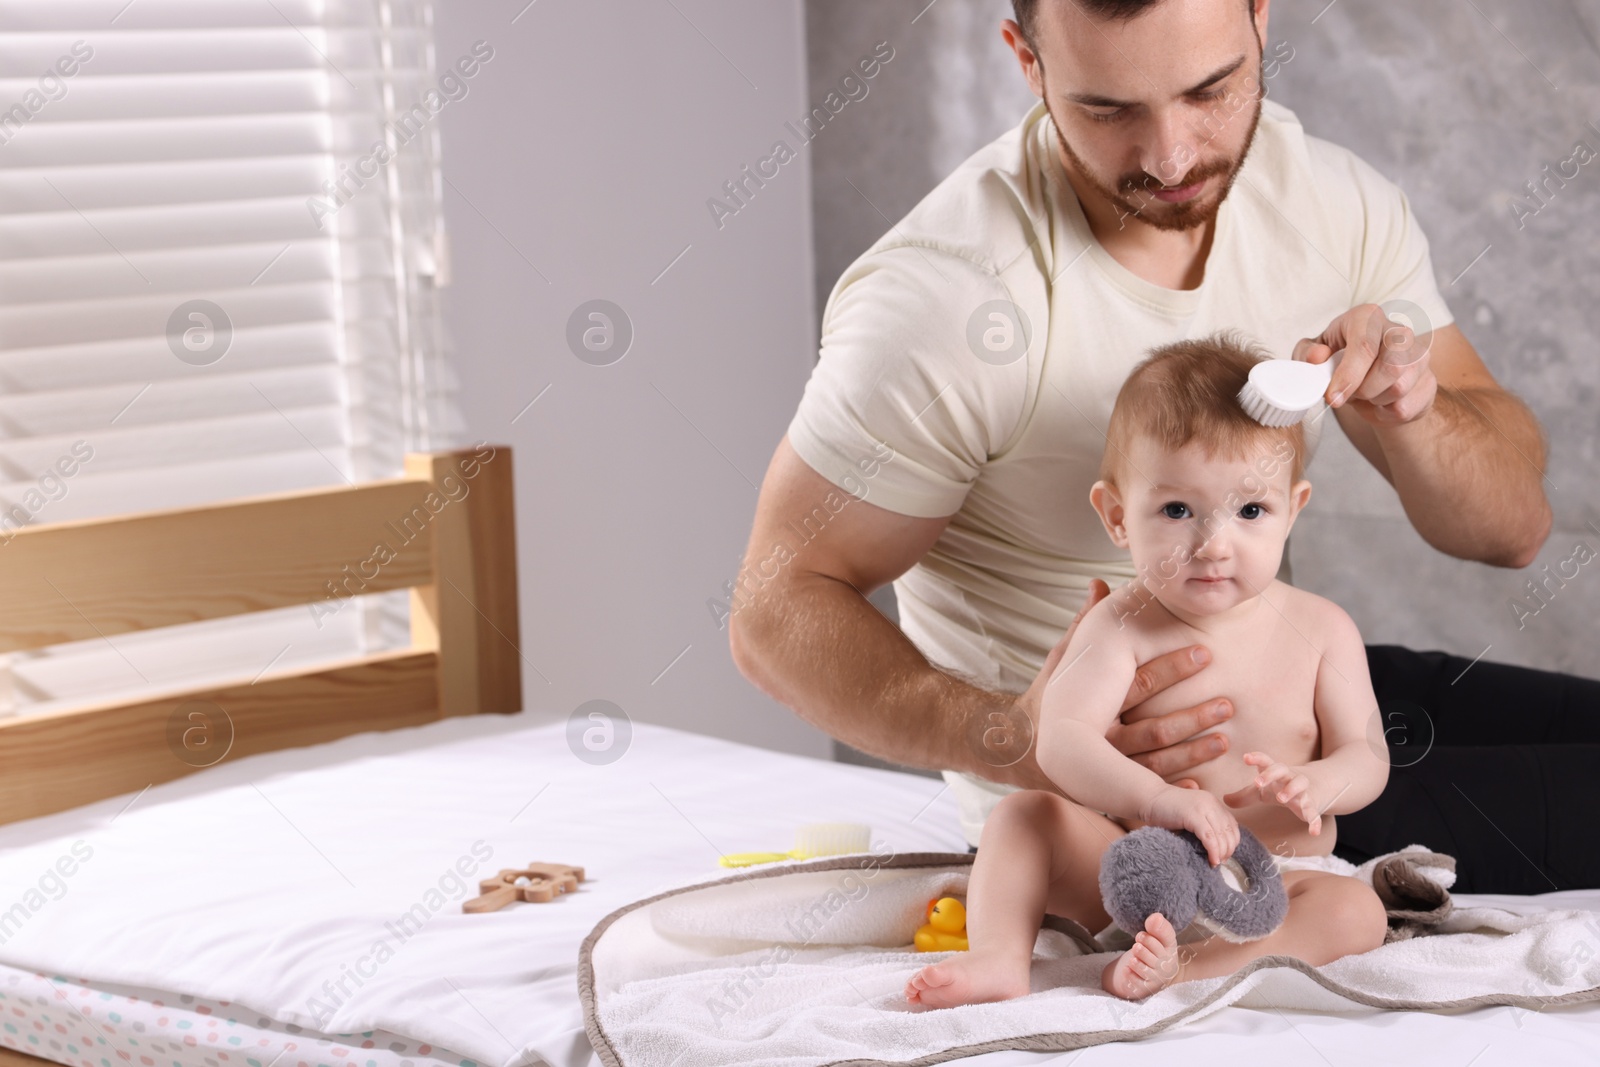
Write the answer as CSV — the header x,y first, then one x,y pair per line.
x,y
1252,511
1175,510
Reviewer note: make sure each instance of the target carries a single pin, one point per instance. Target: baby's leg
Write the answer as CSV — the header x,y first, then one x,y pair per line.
x,y
1040,852
1330,916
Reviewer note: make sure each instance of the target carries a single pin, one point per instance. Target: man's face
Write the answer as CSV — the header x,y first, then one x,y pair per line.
x,y
1155,114
1207,532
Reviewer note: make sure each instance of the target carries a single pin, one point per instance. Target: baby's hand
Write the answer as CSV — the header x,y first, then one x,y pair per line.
x,y
1278,783
1197,811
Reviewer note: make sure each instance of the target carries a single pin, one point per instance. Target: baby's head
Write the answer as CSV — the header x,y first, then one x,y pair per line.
x,y
1200,494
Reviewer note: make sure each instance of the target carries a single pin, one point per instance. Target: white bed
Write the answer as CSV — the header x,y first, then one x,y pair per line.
x,y
232,895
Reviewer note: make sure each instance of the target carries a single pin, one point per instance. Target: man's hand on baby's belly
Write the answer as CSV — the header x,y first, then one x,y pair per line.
x,y
1173,741
1165,743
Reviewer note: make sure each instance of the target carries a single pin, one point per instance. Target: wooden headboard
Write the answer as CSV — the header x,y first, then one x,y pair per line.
x,y
445,531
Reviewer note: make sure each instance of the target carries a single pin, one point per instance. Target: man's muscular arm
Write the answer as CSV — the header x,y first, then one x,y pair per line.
x,y
804,633
1428,415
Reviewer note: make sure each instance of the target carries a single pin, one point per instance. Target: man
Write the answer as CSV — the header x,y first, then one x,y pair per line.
x,y
969,362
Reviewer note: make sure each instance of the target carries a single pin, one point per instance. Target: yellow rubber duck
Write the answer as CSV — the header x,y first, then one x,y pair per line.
x,y
946,928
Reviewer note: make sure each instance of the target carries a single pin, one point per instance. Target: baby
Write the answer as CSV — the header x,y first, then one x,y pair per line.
x,y
1202,497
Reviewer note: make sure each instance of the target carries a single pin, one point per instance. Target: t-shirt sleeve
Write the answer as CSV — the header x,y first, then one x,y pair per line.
x,y
1394,268
900,375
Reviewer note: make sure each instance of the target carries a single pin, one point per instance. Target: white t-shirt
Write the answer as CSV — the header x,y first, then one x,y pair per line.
x,y
1009,440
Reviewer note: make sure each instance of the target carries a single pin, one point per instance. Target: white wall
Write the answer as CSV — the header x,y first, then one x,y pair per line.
x,y
578,167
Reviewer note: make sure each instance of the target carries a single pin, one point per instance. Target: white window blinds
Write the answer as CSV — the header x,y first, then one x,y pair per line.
x,y
218,262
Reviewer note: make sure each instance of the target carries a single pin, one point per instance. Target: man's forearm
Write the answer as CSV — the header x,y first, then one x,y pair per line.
x,y
817,646
1469,474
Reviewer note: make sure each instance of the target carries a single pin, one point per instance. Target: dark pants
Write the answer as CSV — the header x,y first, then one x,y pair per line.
x,y
1498,766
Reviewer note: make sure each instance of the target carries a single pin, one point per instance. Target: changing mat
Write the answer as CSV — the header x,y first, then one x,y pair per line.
x,y
805,964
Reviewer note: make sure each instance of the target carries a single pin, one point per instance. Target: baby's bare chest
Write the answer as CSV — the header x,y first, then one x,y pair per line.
x,y
1268,672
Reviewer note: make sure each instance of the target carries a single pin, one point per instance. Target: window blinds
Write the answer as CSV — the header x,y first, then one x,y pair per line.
x,y
197,301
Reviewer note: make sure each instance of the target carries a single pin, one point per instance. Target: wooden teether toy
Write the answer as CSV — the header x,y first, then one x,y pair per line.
x,y
536,883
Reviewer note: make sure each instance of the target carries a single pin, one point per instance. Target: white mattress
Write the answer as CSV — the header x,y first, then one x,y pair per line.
x,y
232,896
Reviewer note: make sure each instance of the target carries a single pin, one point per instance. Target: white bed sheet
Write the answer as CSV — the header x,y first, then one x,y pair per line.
x,y
254,883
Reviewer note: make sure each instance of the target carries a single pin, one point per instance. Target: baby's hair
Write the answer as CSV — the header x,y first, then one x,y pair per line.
x,y
1189,391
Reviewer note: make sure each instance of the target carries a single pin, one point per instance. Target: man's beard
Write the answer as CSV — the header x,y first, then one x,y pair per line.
x,y
1132,196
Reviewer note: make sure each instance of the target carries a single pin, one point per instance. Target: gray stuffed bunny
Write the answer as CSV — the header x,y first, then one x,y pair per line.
x,y
1152,869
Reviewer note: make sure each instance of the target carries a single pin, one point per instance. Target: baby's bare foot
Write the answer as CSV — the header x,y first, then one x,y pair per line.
x,y
1149,966
967,978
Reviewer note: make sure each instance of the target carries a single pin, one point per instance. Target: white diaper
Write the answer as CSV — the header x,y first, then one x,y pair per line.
x,y
1329,864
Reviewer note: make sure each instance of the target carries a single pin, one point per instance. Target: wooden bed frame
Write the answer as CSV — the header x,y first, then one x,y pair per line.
x,y
450,533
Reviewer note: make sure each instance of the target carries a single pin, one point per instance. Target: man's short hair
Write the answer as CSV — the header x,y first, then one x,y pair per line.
x,y
1188,391
1027,12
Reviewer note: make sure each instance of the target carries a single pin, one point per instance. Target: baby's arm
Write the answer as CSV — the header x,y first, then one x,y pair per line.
x,y
1354,763
1079,703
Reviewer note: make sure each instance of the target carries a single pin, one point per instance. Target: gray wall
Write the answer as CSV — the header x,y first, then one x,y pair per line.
x,y
1461,113
578,168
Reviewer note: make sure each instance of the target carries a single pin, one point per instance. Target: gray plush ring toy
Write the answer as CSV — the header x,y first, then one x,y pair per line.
x,y
1152,869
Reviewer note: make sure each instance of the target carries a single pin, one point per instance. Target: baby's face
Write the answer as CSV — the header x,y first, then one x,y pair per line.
x,y
1206,533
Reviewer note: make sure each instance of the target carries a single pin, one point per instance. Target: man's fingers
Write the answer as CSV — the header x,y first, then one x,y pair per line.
x,y
1311,350
1401,345
1182,756
1366,328
1159,731
1407,397
1157,674
1395,391
1379,379
1380,361
1352,371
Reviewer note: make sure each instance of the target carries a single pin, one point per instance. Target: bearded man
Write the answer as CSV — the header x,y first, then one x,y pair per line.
x,y
1153,194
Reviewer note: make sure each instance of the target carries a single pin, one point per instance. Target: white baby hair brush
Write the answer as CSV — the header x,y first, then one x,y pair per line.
x,y
1279,392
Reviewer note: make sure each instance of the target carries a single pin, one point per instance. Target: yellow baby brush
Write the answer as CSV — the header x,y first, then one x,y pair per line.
x,y
812,840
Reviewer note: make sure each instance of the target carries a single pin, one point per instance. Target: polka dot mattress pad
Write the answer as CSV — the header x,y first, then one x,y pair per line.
x,y
79,1025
